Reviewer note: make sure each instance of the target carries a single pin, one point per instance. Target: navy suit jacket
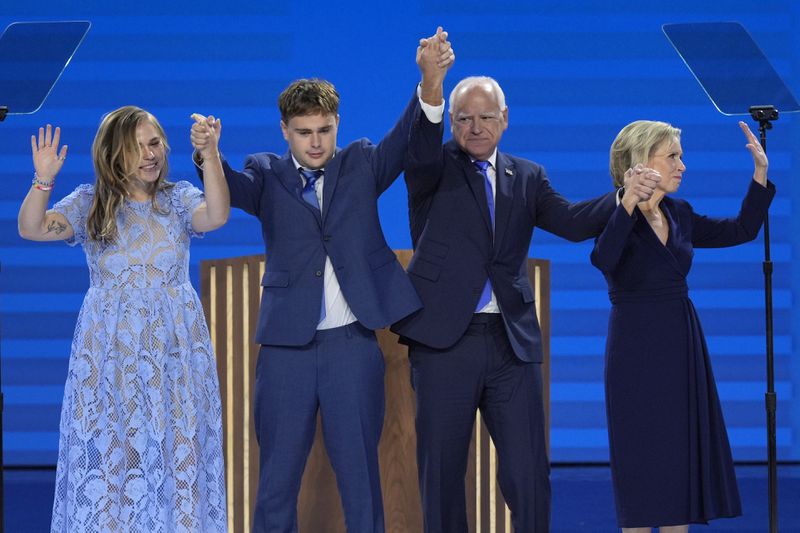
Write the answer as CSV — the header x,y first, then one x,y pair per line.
x,y
454,251
298,239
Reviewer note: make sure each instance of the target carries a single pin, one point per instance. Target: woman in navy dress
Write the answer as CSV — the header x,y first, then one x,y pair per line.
x,y
670,458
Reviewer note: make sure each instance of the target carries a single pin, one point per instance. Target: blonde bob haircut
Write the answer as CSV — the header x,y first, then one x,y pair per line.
x,y
636,143
116,155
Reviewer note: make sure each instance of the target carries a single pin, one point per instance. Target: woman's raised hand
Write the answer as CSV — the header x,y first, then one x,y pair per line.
x,y
47,159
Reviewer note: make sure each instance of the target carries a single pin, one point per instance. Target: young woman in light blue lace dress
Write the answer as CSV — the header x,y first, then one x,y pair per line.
x,y
141,435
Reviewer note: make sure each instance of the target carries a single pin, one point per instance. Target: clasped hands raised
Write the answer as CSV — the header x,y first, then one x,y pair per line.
x,y
640,183
205,135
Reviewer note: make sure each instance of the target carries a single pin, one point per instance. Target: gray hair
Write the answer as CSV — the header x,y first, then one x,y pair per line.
x,y
636,143
473,81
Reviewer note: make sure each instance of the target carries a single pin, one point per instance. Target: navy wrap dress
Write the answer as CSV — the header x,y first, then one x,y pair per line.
x,y
670,457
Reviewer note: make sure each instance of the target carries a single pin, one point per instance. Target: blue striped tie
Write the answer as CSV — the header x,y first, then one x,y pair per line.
x,y
310,191
309,194
483,167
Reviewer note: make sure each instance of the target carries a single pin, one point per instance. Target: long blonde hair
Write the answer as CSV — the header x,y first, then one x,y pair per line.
x,y
116,155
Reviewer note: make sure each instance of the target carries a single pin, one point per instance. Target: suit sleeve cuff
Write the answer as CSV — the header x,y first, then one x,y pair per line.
x,y
197,159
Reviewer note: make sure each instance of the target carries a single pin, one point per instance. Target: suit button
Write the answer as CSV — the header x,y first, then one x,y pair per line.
x,y
318,273
326,238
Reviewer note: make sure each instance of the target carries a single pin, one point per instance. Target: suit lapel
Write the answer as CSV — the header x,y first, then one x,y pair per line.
x,y
475,181
505,175
330,181
290,178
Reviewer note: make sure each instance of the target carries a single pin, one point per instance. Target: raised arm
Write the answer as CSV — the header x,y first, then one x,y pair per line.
x,y
424,156
216,208
34,222
574,221
434,57
760,161
610,244
718,232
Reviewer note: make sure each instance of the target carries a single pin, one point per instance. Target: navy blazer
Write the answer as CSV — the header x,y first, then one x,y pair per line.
x,y
453,247
298,239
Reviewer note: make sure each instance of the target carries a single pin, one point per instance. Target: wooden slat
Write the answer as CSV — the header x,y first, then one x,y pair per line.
x,y
231,294
472,488
234,301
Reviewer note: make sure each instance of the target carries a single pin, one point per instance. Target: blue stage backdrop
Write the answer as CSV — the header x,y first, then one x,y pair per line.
x,y
574,73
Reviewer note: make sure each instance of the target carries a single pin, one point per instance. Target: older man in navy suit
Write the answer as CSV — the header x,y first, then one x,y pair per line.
x,y
476,343
330,281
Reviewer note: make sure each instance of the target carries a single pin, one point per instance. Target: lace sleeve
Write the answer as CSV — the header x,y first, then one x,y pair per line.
x,y
186,198
75,208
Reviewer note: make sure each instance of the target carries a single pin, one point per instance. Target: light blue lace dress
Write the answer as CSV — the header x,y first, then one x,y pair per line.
x,y
141,430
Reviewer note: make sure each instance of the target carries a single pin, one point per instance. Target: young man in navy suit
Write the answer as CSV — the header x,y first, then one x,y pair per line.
x,y
476,343
330,281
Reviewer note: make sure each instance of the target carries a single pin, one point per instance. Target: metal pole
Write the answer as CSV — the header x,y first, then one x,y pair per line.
x,y
764,114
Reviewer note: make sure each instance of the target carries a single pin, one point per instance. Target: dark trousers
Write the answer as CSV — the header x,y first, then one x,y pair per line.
x,y
340,373
480,372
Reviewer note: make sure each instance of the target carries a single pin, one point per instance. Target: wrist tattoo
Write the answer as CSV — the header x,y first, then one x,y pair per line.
x,y
56,227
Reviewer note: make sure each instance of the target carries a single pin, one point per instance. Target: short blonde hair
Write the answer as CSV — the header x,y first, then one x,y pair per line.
x,y
636,143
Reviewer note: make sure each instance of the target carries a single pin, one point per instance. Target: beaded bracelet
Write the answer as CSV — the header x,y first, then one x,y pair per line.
x,y
42,185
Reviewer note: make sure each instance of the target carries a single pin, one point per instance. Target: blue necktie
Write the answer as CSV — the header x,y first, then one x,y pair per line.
x,y
309,191
309,194
483,167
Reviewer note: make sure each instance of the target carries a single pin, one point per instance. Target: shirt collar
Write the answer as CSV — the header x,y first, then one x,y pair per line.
x,y
298,166
492,159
